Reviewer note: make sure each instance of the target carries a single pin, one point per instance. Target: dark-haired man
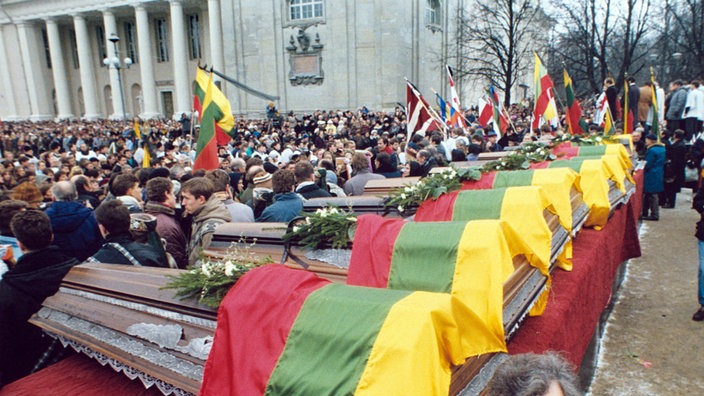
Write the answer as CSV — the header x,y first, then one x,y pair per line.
x,y
36,276
287,204
305,177
161,203
119,248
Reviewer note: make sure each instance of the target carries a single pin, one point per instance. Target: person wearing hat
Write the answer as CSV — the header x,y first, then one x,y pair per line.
x,y
653,179
492,145
262,192
287,204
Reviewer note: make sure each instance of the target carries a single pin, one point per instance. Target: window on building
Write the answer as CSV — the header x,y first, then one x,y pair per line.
x,y
162,40
194,36
47,54
131,41
305,9
102,50
432,12
74,48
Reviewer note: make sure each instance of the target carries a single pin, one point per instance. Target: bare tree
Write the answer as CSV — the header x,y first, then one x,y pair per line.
x,y
687,35
496,43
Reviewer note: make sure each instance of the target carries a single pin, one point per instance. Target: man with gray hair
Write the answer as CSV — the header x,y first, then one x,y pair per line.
x,y
76,231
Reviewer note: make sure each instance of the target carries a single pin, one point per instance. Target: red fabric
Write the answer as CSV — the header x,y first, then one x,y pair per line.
x,y
541,105
267,298
77,375
372,249
631,120
440,209
578,298
485,183
207,158
540,165
221,137
487,113
565,151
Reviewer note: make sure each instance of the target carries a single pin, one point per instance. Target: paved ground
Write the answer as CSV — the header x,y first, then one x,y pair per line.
x,y
651,346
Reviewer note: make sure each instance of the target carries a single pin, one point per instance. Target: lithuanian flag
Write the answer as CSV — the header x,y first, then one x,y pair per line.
x,y
521,207
577,125
216,120
283,331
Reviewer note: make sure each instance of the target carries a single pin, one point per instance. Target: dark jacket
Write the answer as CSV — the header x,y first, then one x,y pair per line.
x,y
676,154
111,253
285,208
170,230
36,276
653,179
75,229
312,191
698,205
676,103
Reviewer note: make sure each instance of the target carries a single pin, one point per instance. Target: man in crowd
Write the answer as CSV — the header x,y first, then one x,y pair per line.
x,y
239,212
360,175
287,204
119,248
126,189
161,203
653,183
674,104
305,177
208,213
36,276
76,231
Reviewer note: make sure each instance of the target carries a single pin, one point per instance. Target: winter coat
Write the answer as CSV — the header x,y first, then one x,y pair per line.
x,y
675,109
285,208
698,205
355,185
75,229
121,249
170,230
205,220
36,276
653,179
312,190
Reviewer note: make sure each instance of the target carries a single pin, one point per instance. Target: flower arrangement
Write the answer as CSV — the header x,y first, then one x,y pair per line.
x,y
536,152
329,226
594,140
211,279
513,161
409,197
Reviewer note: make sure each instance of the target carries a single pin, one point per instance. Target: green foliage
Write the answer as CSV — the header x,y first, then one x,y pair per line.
x,y
433,186
326,227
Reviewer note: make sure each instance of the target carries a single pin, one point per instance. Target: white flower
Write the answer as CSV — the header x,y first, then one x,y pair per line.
x,y
403,196
296,228
400,208
229,268
408,189
206,270
352,219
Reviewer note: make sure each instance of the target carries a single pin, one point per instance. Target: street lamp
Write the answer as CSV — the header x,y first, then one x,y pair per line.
x,y
114,62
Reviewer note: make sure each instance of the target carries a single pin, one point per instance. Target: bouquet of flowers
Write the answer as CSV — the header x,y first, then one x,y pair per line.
x,y
536,152
513,161
432,186
326,227
211,279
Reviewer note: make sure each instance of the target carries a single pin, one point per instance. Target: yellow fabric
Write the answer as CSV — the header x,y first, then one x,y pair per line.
x,y
522,208
539,307
625,138
620,150
595,190
417,346
615,171
205,81
564,260
557,183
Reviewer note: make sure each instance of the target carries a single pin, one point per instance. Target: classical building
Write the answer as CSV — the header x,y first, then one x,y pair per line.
x,y
120,58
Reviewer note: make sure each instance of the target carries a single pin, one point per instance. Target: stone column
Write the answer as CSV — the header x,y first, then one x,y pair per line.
x,y
10,109
32,62
110,27
180,61
86,64
58,70
146,61
215,32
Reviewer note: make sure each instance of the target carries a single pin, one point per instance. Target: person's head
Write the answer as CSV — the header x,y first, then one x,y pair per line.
x,y
283,181
531,374
161,190
609,82
384,163
32,228
651,139
423,156
637,134
458,155
126,184
64,191
631,80
8,209
113,218
28,192
219,178
679,134
359,162
195,193
304,171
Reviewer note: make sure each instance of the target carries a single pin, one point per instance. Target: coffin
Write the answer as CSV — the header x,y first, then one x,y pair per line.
x,y
384,187
119,316
365,204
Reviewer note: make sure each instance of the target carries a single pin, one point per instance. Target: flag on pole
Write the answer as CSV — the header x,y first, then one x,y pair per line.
x,y
500,117
212,115
655,121
455,101
543,86
421,117
603,116
577,126
136,128
147,159
225,122
487,113
627,112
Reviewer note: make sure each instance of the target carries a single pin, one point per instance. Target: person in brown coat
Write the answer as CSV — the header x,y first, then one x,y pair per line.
x,y
161,203
645,101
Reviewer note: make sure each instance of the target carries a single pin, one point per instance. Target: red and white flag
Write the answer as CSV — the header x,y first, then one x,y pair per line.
x,y
487,113
455,101
421,117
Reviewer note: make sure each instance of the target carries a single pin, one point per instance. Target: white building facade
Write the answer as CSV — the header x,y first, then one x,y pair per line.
x,y
312,54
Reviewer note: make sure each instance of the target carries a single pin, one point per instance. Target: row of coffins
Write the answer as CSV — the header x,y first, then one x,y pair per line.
x,y
492,247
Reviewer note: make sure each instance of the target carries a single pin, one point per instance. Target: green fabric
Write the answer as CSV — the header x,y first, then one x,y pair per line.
x,y
331,340
575,164
478,204
424,256
513,178
586,151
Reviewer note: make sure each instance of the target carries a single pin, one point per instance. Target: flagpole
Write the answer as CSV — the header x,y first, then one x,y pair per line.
x,y
444,125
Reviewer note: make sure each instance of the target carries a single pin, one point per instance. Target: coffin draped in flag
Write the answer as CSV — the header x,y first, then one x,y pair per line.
x,y
545,99
215,115
283,331
577,125
421,117
225,121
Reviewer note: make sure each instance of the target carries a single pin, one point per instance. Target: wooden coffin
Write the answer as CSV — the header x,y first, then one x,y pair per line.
x,y
120,316
384,187
365,204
